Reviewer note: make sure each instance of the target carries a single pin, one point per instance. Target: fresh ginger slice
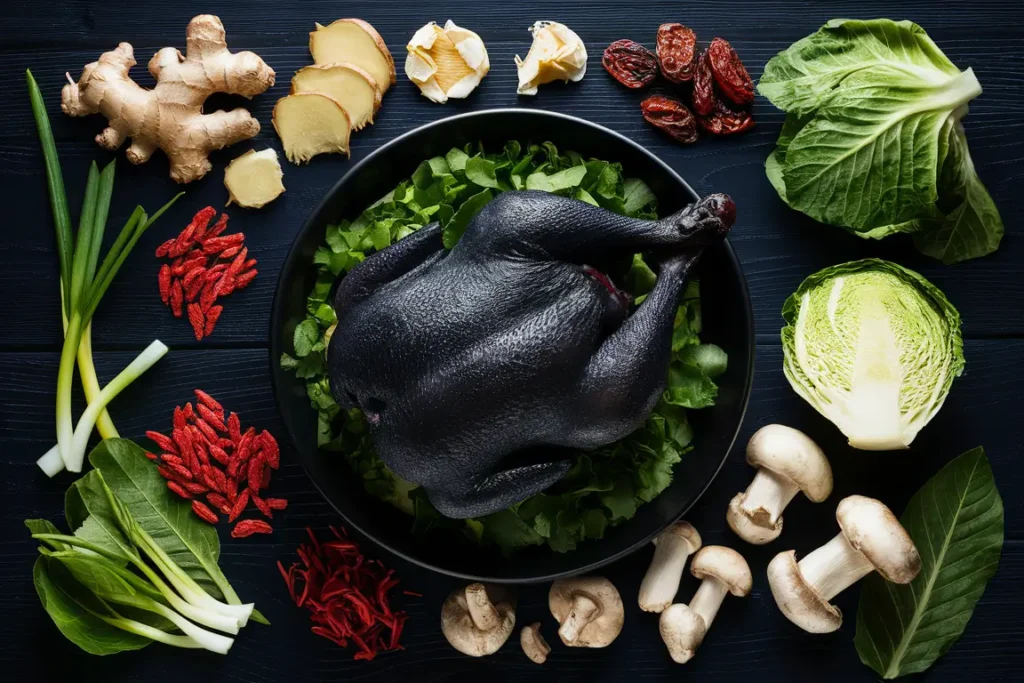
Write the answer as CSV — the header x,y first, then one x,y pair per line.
x,y
350,85
254,179
356,42
309,124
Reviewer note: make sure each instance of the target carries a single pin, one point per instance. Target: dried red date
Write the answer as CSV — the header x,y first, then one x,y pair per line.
x,y
730,74
677,48
630,63
703,86
671,116
726,121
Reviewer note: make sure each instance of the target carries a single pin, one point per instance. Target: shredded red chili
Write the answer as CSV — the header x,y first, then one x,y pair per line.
x,y
346,594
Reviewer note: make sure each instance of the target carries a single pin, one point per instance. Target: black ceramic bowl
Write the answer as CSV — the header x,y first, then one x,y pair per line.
x,y
727,316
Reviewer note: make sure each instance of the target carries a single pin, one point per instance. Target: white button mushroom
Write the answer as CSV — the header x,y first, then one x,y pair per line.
x,y
788,461
473,623
871,539
589,610
722,570
533,643
661,583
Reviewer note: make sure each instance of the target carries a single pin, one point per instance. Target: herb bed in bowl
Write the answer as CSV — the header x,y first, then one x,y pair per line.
x,y
605,488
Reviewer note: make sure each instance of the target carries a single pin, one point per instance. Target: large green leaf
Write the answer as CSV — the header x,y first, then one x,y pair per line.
x,y
956,522
74,609
191,543
802,78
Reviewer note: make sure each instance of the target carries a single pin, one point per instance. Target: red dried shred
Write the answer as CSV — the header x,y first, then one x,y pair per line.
x,y
208,455
346,595
206,265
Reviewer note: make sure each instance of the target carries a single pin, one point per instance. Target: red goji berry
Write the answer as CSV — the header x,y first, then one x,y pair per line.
x,y
243,280
191,275
265,479
178,420
184,441
177,298
208,432
248,527
236,265
190,413
220,502
219,455
168,458
198,320
216,245
276,503
168,473
187,266
255,475
232,489
164,442
234,427
225,285
164,283
225,443
270,449
199,446
208,296
218,228
194,289
216,421
180,470
152,456
262,506
220,478
240,502
204,513
176,488
212,316
210,402
195,487
249,265
165,248
213,273
230,252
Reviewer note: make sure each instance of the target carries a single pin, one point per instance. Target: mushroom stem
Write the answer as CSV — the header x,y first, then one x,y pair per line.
x,y
708,599
583,611
533,643
661,582
767,496
834,567
481,610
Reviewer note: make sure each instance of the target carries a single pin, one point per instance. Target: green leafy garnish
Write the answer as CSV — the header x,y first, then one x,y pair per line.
x,y
956,522
604,487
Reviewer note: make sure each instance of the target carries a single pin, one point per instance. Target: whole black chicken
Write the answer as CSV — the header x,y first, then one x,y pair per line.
x,y
483,370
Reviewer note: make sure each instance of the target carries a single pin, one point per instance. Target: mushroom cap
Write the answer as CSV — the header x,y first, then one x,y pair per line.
x,y
871,528
684,531
458,627
724,564
747,527
797,599
533,643
683,631
606,625
792,454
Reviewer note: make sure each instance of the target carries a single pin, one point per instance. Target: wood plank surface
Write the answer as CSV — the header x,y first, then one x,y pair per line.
x,y
777,247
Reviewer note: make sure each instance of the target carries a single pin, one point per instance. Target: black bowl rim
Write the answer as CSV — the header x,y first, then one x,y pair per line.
x,y
276,323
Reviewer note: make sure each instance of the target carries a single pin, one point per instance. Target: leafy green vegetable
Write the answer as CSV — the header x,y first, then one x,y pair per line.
x,y
112,585
874,347
873,140
956,522
604,487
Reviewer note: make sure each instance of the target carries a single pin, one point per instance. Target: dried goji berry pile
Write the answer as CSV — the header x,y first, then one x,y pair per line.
x,y
714,81
208,457
346,594
205,266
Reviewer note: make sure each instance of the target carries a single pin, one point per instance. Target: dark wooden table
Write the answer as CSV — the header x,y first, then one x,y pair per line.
x,y
777,246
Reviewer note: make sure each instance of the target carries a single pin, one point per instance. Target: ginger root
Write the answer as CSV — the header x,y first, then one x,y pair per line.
x,y
170,116
254,179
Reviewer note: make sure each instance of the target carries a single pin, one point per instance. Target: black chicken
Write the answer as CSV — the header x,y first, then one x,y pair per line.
x,y
481,370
